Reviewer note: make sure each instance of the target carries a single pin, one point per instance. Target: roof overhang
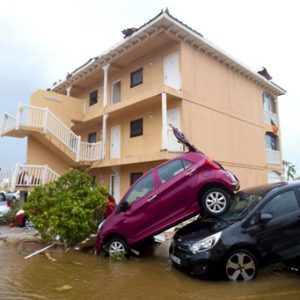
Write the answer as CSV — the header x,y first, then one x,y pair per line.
x,y
165,23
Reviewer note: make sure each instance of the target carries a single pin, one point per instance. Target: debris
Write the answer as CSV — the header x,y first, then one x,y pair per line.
x,y
48,255
63,288
39,251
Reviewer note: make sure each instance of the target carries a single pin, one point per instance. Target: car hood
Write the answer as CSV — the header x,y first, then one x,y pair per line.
x,y
200,229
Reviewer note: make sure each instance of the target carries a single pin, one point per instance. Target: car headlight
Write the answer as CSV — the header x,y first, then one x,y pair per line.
x,y
100,226
206,243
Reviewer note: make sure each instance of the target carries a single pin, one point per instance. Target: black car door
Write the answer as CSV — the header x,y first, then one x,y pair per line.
x,y
279,238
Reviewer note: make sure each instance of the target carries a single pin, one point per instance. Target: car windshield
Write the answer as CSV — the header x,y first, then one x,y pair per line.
x,y
243,202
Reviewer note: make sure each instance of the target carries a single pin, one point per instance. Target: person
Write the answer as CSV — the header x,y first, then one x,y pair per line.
x,y
111,205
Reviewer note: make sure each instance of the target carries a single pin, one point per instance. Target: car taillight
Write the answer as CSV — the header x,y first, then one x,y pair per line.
x,y
211,163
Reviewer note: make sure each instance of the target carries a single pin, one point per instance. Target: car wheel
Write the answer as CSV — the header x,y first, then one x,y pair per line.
x,y
116,247
240,265
215,202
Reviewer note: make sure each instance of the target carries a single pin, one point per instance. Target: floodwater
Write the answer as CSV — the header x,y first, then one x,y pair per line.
x,y
79,275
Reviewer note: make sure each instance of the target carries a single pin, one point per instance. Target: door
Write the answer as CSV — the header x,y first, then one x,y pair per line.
x,y
172,77
115,142
115,187
279,238
173,117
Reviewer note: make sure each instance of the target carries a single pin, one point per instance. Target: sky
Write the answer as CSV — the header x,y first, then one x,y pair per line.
x,y
42,41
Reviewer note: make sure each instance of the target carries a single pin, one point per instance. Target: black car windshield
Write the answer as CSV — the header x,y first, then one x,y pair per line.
x,y
241,205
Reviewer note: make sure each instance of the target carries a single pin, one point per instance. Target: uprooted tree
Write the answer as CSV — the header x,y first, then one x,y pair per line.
x,y
70,207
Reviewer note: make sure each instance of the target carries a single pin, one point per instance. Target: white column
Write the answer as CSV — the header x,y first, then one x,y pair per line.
x,y
68,89
18,116
105,84
164,121
105,116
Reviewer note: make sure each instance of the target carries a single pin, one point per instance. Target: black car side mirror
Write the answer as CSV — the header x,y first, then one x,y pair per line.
x,y
264,217
123,206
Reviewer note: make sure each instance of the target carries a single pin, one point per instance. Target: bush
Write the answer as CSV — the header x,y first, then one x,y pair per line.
x,y
70,207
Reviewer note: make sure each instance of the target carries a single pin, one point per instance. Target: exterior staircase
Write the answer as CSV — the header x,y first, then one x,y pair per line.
x,y
23,176
37,121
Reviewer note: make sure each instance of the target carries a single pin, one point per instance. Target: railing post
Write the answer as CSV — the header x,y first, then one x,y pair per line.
x,y
18,116
45,173
78,148
15,177
45,120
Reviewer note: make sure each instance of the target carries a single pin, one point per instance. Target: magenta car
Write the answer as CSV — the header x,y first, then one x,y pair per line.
x,y
165,196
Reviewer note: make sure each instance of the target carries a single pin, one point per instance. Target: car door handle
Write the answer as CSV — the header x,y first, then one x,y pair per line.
x,y
190,172
152,198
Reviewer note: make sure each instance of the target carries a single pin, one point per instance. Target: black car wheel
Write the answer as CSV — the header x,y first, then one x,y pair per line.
x,y
116,247
240,265
215,202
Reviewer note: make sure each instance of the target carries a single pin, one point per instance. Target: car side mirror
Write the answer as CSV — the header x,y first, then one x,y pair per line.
x,y
264,217
123,206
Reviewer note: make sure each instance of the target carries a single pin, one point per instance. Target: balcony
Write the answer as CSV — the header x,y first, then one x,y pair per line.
x,y
270,116
26,176
33,119
273,157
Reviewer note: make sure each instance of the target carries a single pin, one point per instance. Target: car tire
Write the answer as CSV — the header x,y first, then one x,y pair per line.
x,y
116,247
240,265
215,202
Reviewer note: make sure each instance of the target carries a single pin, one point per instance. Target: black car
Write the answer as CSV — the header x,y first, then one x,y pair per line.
x,y
261,227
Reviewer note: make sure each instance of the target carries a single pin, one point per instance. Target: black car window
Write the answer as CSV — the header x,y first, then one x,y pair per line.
x,y
142,188
2,197
172,169
186,163
281,204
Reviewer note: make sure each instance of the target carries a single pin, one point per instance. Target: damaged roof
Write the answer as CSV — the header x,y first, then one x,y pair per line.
x,y
164,22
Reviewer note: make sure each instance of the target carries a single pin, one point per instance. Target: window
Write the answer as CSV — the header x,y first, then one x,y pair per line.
x,y
172,169
116,92
269,103
271,141
134,177
136,77
93,97
281,205
142,188
92,137
136,128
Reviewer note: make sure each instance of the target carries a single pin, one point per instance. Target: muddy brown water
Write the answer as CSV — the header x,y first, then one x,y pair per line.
x,y
79,275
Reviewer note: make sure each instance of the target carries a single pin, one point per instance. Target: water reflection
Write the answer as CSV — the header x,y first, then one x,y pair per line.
x,y
77,275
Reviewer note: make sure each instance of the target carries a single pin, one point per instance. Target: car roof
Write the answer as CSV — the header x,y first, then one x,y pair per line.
x,y
266,188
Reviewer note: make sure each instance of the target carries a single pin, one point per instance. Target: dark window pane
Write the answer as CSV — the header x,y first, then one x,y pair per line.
x,y
136,77
281,204
92,138
170,170
142,188
93,97
271,141
134,177
136,128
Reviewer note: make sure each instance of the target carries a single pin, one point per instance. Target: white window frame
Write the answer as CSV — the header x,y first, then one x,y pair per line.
x,y
112,91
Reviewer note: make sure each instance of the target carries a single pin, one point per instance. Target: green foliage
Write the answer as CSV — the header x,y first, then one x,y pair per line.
x,y
290,170
70,207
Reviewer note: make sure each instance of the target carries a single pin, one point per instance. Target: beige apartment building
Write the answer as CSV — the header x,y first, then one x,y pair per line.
x,y
111,116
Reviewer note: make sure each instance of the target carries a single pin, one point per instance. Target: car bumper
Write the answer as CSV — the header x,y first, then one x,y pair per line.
x,y
205,263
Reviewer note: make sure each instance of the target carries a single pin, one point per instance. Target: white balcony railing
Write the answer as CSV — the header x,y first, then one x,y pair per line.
x,y
23,175
273,156
270,116
43,119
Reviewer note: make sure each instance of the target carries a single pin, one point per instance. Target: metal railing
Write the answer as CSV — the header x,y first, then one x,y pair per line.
x,y
273,156
270,116
24,175
43,119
